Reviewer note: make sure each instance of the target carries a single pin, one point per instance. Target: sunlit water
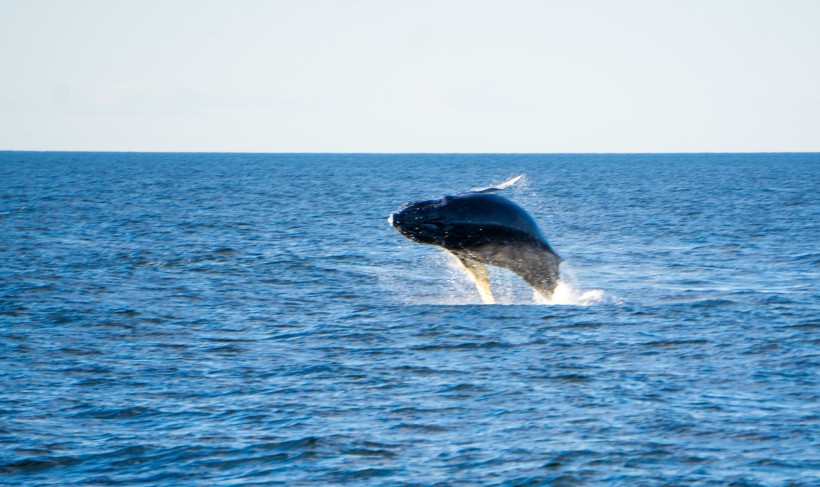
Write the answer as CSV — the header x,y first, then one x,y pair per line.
x,y
189,319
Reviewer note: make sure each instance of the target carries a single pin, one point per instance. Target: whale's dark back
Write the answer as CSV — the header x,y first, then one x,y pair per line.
x,y
491,210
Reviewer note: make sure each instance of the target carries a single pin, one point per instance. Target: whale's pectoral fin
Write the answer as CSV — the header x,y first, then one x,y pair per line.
x,y
478,273
498,187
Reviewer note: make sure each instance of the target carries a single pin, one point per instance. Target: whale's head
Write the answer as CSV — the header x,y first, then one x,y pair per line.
x,y
424,222
464,221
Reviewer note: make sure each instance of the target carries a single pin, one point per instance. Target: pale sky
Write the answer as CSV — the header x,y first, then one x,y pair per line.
x,y
410,75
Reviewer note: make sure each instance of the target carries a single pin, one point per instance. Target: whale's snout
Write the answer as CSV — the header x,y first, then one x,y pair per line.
x,y
399,218
418,221
408,214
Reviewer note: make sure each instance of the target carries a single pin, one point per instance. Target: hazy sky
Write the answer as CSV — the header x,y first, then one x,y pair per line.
x,y
410,75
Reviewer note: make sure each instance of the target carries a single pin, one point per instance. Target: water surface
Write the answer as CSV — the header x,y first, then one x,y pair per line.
x,y
216,319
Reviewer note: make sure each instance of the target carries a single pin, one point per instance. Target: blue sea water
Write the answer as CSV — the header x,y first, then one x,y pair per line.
x,y
252,319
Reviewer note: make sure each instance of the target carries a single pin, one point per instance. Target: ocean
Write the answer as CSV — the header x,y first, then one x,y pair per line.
x,y
252,319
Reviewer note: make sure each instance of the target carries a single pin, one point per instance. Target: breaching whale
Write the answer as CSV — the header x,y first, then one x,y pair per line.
x,y
482,228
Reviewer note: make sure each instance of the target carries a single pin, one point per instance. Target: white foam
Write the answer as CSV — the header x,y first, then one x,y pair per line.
x,y
568,295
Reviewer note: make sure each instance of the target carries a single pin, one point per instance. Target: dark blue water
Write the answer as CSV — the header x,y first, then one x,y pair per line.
x,y
216,319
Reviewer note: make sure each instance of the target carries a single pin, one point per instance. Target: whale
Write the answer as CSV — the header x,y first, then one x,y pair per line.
x,y
479,228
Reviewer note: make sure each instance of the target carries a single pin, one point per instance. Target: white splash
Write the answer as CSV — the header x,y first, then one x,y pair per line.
x,y
509,288
569,295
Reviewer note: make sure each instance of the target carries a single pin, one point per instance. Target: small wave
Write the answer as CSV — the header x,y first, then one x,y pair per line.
x,y
34,464
462,346
675,343
122,413
810,258
710,303
345,476
567,378
371,452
